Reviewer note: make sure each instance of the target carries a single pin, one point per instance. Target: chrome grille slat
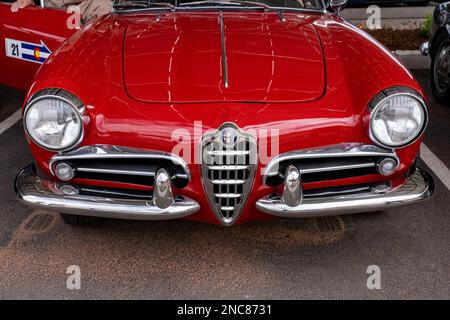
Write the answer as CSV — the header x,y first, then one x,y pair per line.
x,y
333,168
228,171
227,181
336,168
228,195
228,167
181,176
228,153
112,171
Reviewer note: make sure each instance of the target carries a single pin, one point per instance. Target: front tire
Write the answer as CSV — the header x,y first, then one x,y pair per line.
x,y
440,70
76,220
418,4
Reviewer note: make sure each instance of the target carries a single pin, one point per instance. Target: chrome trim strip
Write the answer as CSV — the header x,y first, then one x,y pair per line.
x,y
224,51
417,187
207,8
333,151
334,193
44,194
116,152
337,168
107,193
113,171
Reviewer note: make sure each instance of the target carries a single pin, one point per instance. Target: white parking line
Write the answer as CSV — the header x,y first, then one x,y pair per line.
x,y
9,122
436,165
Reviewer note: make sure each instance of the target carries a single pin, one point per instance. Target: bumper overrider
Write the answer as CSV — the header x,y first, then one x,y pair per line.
x,y
48,195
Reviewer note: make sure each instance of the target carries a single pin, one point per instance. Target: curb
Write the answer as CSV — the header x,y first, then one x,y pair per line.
x,y
413,59
389,15
402,13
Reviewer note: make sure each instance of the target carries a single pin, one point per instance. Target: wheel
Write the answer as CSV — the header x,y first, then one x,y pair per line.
x,y
440,70
76,220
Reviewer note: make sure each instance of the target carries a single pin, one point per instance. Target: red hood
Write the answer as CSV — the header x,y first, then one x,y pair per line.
x,y
179,58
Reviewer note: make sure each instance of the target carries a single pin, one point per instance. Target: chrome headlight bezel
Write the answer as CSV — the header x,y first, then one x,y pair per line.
x,y
70,100
378,102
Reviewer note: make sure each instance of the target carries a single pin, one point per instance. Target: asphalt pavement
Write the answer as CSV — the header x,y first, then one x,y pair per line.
x,y
282,259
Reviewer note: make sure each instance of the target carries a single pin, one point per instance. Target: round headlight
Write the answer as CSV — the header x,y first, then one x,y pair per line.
x,y
398,120
53,122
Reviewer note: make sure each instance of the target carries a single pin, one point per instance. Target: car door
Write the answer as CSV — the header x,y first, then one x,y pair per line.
x,y
27,39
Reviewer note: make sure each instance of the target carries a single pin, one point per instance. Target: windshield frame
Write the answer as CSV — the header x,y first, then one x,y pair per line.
x,y
323,9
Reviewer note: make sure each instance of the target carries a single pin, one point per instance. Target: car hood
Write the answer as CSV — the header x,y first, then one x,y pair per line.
x,y
179,57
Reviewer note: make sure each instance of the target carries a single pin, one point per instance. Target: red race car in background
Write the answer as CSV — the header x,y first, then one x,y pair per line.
x,y
218,111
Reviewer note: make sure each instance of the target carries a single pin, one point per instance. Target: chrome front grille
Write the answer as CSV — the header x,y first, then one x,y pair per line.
x,y
228,169
334,162
123,165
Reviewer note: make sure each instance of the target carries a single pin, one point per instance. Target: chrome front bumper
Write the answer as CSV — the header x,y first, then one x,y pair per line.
x,y
44,194
419,186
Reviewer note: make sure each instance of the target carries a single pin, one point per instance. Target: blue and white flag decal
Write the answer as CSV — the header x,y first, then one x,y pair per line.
x,y
27,51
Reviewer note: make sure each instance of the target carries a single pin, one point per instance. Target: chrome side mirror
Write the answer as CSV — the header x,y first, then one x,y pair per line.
x,y
336,5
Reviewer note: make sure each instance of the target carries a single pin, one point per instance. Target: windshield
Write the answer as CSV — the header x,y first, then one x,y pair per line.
x,y
127,5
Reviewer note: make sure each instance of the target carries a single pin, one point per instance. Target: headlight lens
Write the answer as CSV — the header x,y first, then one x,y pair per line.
x,y
53,122
398,120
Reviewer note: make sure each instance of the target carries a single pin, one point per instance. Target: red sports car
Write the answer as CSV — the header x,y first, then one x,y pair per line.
x,y
218,111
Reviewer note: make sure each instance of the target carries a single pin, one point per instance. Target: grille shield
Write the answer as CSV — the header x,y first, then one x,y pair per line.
x,y
229,160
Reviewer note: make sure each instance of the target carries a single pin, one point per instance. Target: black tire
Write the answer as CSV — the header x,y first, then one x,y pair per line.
x,y
75,220
418,4
442,96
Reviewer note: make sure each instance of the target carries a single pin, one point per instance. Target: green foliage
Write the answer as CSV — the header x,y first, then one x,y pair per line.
x,y
426,27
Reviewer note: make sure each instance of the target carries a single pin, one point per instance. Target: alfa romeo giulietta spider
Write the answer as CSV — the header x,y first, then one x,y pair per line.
x,y
223,111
